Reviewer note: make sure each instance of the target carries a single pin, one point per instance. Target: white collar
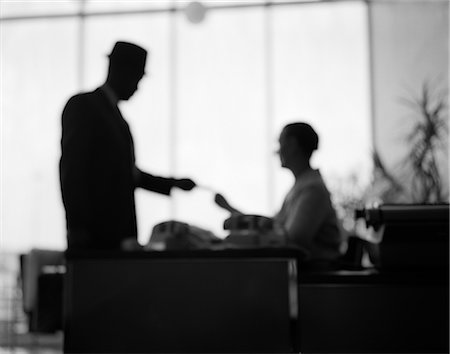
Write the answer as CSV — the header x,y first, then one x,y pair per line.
x,y
307,178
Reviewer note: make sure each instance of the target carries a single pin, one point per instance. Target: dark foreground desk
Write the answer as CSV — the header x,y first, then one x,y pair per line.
x,y
229,301
247,301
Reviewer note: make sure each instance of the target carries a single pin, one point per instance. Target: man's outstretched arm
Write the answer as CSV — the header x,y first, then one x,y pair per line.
x,y
161,185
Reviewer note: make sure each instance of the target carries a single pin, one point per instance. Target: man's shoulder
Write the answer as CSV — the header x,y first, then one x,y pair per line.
x,y
84,102
84,97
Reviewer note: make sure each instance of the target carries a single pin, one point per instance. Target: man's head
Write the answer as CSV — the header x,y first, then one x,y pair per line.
x,y
297,143
126,68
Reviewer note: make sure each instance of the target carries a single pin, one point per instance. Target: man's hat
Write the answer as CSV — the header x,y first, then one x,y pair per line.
x,y
128,55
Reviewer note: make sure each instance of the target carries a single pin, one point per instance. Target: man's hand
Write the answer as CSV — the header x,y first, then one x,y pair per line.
x,y
185,184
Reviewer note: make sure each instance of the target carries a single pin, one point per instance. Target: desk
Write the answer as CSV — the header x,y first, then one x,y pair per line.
x,y
374,312
240,301
228,301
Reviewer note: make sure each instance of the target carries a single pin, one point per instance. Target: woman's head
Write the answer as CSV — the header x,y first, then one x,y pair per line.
x,y
297,143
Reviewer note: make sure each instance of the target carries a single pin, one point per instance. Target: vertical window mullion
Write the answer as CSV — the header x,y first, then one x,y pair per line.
x,y
173,101
81,44
269,102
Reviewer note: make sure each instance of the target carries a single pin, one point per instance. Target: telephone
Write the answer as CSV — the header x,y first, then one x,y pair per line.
x,y
253,231
177,235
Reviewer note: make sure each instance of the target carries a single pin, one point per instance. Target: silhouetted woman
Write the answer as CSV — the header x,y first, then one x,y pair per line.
x,y
307,215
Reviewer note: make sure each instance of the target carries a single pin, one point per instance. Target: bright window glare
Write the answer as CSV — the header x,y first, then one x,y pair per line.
x,y
321,74
38,72
11,8
221,138
210,108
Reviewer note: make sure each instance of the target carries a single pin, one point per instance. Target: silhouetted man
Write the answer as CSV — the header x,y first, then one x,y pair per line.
x,y
97,169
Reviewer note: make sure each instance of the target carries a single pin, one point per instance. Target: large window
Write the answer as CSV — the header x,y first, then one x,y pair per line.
x,y
211,106
321,75
38,71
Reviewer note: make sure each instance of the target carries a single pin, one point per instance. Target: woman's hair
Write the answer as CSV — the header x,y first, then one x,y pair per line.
x,y
305,136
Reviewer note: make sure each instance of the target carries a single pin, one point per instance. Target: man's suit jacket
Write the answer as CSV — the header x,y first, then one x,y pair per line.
x,y
98,173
